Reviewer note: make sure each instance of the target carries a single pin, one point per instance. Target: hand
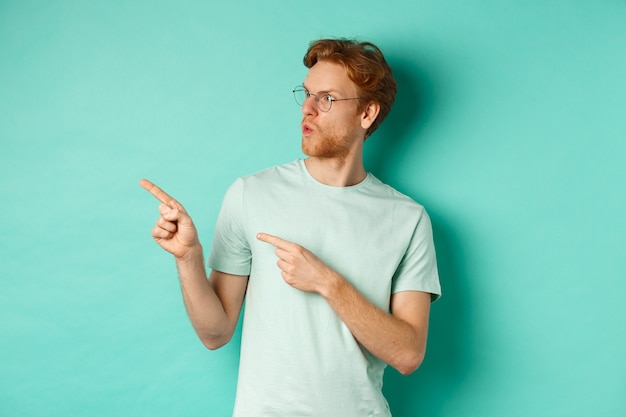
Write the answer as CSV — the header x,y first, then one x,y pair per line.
x,y
300,267
174,231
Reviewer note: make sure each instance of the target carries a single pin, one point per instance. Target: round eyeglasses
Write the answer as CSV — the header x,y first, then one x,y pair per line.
x,y
323,100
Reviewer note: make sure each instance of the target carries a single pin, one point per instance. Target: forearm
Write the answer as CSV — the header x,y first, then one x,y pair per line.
x,y
204,308
386,336
398,339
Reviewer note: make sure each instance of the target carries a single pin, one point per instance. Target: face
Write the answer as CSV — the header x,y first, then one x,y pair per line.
x,y
336,133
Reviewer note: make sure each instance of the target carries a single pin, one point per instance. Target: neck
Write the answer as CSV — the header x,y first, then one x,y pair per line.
x,y
336,172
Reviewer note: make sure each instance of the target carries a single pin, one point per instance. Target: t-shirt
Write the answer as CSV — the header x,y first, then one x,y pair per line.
x,y
297,357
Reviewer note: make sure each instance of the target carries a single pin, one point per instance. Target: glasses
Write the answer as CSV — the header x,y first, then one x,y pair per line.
x,y
323,100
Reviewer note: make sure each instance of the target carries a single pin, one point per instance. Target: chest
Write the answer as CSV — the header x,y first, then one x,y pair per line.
x,y
360,237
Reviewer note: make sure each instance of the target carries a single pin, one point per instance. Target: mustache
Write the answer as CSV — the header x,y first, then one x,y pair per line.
x,y
308,122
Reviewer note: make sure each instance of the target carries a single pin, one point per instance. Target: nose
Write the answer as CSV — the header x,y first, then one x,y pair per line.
x,y
308,106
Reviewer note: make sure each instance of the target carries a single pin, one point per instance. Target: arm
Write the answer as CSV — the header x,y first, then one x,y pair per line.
x,y
213,305
397,338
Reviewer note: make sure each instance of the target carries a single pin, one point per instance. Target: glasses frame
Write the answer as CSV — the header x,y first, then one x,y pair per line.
x,y
317,97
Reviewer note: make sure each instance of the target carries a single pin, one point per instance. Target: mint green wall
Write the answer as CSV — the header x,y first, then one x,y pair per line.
x,y
510,128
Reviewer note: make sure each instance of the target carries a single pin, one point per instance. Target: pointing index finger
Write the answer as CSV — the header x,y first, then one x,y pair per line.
x,y
159,194
273,240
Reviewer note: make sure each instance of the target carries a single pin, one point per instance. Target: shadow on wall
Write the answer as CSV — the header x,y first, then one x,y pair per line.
x,y
414,105
438,379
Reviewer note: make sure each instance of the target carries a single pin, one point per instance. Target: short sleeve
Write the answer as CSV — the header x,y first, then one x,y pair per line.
x,y
417,270
230,251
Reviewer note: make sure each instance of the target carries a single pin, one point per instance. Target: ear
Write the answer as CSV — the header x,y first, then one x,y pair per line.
x,y
370,113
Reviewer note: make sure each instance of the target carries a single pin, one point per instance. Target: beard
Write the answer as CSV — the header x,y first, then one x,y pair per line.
x,y
326,143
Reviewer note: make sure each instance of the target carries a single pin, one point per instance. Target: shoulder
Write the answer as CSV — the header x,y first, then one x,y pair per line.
x,y
389,195
267,182
277,172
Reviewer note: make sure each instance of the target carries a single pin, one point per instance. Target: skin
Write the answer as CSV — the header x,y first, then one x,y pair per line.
x,y
333,142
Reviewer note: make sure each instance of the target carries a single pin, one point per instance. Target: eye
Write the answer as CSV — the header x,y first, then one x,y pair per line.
x,y
327,97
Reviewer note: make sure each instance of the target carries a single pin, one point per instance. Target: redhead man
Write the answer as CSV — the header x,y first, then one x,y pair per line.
x,y
337,269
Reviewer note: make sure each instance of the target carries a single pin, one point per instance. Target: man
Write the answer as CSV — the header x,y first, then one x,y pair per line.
x,y
338,269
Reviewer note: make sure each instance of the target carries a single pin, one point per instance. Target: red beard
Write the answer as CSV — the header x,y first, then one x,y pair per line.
x,y
323,143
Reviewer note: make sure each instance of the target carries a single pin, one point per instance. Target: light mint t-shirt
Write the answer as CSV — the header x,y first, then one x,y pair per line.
x,y
297,357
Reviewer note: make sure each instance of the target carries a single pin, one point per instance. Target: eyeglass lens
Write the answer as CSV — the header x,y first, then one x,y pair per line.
x,y
321,101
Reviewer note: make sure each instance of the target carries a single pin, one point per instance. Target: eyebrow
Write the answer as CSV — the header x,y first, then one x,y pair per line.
x,y
323,91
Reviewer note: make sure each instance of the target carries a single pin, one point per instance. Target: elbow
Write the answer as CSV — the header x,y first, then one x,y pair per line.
x,y
409,363
213,342
211,345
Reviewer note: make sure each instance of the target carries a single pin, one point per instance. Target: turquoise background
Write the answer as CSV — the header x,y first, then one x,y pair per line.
x,y
509,127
